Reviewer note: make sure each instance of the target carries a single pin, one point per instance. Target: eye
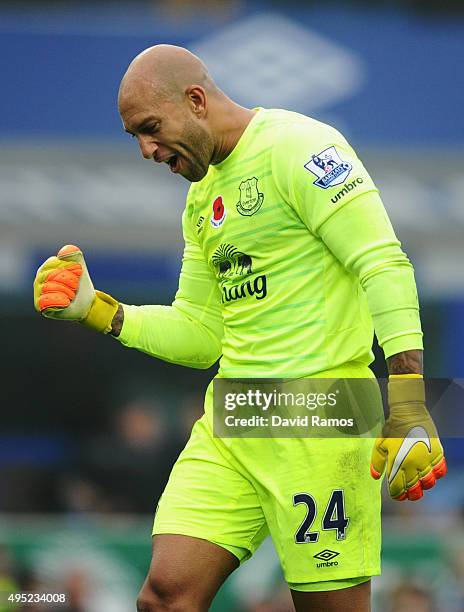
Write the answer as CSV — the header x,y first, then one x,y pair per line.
x,y
150,128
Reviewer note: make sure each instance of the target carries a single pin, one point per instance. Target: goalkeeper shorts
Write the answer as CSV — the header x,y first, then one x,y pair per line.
x,y
315,497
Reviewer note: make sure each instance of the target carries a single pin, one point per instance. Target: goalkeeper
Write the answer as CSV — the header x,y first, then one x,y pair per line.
x,y
290,264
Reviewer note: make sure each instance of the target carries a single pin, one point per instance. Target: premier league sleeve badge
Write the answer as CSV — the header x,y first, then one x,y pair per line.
x,y
329,168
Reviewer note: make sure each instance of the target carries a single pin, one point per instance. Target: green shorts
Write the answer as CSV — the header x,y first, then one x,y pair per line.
x,y
315,497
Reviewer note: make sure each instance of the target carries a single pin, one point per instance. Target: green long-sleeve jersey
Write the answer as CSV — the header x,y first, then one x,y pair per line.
x,y
290,262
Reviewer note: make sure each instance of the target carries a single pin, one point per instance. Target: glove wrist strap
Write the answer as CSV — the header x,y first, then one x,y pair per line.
x,y
101,313
404,389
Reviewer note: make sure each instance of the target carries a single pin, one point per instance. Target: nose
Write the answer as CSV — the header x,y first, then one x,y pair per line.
x,y
147,147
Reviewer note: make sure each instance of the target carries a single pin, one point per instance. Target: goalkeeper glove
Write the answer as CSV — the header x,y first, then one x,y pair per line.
x,y
63,290
409,447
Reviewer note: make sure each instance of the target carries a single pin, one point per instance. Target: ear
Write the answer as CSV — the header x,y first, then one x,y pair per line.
x,y
197,99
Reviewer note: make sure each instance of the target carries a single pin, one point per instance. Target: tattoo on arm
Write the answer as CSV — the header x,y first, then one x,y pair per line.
x,y
118,320
407,362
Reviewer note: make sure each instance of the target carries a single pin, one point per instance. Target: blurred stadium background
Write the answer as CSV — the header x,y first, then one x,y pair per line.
x,y
89,430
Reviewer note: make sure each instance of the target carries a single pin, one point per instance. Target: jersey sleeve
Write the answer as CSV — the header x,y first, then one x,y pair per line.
x,y
326,184
318,172
189,332
361,237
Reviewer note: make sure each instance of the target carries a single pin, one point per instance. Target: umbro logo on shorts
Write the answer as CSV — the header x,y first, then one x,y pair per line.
x,y
326,556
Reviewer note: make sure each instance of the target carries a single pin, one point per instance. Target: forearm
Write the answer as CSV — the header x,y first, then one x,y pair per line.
x,y
170,334
117,322
407,362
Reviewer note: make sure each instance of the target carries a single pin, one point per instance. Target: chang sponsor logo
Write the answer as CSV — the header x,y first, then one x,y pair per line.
x,y
347,187
231,264
256,288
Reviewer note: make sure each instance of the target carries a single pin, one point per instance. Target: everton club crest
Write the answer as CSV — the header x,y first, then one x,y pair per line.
x,y
250,197
329,168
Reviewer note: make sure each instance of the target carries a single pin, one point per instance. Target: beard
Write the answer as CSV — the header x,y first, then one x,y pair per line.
x,y
198,145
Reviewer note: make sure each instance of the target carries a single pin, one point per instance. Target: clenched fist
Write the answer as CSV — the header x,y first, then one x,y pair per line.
x,y
63,290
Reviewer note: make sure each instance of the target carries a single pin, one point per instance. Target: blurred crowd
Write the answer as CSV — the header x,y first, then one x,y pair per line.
x,y
122,468
126,468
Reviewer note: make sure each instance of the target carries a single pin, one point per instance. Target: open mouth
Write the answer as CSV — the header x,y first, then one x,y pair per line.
x,y
174,164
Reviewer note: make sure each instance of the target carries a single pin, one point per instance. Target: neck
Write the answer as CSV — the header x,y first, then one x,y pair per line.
x,y
234,121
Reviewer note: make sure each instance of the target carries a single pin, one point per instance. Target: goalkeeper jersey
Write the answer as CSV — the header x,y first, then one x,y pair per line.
x,y
289,255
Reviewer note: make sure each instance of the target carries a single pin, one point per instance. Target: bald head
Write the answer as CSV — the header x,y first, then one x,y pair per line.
x,y
170,103
168,70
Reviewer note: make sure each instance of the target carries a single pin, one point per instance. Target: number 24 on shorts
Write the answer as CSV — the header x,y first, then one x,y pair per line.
x,y
334,517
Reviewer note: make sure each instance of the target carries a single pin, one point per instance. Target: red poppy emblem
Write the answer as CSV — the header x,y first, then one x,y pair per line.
x,y
219,212
218,208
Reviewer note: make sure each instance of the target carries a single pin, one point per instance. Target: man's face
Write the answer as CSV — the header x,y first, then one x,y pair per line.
x,y
167,131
